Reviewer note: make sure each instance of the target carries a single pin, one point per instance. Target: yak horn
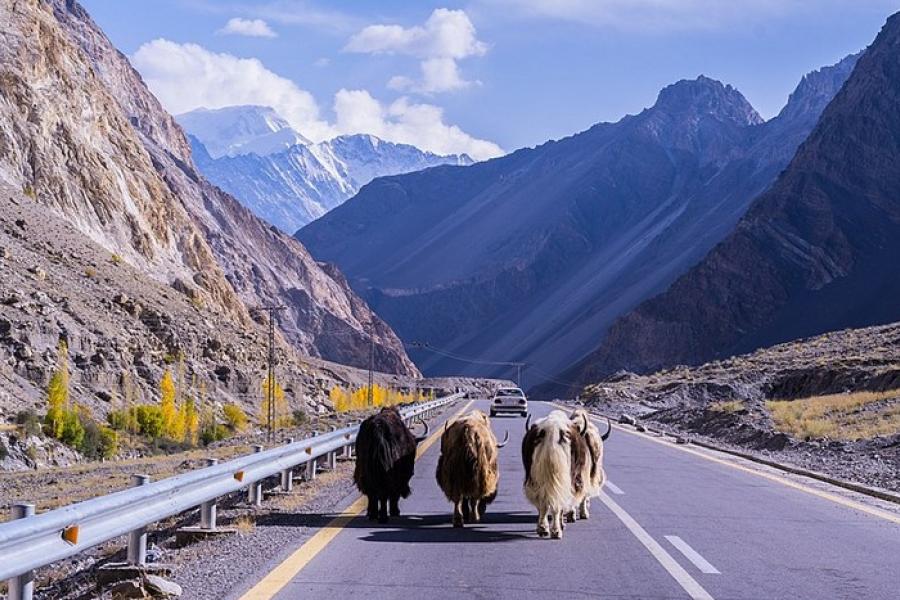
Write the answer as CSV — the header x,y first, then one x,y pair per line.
x,y
505,440
421,438
608,430
584,424
527,422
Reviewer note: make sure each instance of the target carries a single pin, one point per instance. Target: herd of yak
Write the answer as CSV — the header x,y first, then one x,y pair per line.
x,y
562,455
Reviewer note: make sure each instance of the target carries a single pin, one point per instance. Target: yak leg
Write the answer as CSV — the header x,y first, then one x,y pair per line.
x,y
466,513
482,506
372,510
382,510
584,511
570,516
458,512
476,516
556,525
542,522
395,506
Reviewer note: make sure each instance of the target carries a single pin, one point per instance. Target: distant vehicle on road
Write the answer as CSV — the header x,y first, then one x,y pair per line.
x,y
509,400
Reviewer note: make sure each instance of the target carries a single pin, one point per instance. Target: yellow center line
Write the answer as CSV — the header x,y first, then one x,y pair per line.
x,y
870,510
281,575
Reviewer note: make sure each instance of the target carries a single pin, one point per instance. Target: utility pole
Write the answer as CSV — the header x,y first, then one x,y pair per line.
x,y
270,387
370,395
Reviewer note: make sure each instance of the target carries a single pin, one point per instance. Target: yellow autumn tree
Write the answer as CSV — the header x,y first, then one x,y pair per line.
x,y
282,419
169,411
58,393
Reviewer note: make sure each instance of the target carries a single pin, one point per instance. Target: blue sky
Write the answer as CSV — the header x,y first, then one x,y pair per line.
x,y
483,76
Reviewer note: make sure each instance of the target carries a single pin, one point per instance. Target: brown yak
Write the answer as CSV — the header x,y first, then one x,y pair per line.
x,y
597,478
467,470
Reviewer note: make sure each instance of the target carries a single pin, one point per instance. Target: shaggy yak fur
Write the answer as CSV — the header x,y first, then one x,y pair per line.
x,y
467,470
385,459
596,475
557,469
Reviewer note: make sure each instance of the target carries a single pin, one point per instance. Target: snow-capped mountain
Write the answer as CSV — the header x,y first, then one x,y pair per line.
x,y
252,153
236,130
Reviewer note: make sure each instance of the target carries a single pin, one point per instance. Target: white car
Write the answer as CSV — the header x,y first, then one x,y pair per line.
x,y
509,400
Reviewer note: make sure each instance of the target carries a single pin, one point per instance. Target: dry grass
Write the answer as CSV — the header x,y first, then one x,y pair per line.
x,y
245,524
858,415
732,406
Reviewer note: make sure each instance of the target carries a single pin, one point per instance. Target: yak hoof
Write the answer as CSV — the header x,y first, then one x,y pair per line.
x,y
570,517
457,523
542,532
556,535
584,515
395,512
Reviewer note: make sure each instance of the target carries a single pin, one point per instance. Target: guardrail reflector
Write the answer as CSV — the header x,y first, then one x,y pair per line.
x,y
70,534
347,436
309,450
239,475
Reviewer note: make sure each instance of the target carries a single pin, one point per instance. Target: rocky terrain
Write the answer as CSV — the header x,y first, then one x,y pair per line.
x,y
817,252
730,402
254,154
122,326
530,257
82,136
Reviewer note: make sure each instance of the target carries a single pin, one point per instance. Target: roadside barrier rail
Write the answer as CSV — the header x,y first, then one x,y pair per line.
x,y
31,541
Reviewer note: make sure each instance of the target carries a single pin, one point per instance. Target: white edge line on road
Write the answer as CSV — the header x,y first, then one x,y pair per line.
x,y
614,488
684,579
692,555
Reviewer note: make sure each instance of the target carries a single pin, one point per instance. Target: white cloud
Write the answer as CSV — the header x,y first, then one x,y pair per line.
x,y
438,75
421,125
655,15
446,37
247,27
188,76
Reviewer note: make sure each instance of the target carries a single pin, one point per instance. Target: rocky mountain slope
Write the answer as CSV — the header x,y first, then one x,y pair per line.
x,y
849,381
253,154
531,256
81,134
818,251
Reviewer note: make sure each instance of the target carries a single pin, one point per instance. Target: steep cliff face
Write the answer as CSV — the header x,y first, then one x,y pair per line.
x,y
82,134
817,252
531,256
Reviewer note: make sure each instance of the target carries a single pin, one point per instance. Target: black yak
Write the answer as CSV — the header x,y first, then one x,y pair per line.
x,y
385,459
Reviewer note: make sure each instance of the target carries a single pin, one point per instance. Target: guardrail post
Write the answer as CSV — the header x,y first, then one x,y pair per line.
x,y
254,493
137,539
208,508
311,464
332,456
21,587
287,476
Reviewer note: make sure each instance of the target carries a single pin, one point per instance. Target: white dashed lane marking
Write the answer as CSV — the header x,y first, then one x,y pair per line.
x,y
692,555
684,579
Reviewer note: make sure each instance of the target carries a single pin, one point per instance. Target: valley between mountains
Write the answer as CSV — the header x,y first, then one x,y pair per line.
x,y
692,264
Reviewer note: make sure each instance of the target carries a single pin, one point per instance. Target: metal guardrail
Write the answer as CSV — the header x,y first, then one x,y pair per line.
x,y
33,541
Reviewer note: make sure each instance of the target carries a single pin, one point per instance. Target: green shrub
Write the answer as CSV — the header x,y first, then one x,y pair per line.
x,y
300,417
73,430
99,441
30,421
212,434
150,420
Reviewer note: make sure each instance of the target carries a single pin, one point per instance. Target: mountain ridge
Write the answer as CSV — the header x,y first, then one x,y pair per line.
x,y
816,252
533,254
291,184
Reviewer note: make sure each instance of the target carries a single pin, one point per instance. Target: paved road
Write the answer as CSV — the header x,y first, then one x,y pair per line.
x,y
672,525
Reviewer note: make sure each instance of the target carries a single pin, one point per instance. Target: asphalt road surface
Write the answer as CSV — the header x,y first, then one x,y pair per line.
x,y
670,524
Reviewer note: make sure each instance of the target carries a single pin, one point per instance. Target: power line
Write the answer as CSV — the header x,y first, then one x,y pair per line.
x,y
270,388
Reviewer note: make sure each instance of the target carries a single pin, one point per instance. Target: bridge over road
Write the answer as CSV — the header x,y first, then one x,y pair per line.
x,y
673,522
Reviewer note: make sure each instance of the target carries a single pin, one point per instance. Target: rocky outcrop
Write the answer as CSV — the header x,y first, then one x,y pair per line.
x,y
531,256
816,252
81,135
